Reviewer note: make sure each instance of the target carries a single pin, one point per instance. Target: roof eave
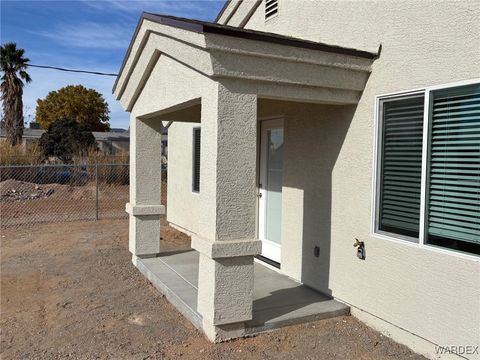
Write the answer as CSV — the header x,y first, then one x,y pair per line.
x,y
206,27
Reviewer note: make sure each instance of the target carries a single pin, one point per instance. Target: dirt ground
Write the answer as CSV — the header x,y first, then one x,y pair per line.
x,y
70,291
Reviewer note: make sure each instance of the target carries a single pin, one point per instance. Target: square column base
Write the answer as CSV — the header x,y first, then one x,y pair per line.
x,y
221,333
225,284
144,229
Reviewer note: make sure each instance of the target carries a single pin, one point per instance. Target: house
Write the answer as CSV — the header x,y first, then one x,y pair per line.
x,y
30,136
110,142
303,128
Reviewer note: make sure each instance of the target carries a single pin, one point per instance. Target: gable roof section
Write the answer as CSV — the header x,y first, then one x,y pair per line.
x,y
271,65
205,27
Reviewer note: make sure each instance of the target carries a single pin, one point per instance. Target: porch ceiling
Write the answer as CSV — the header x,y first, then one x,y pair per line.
x,y
270,65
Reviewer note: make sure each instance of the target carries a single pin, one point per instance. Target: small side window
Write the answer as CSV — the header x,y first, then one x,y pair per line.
x,y
196,160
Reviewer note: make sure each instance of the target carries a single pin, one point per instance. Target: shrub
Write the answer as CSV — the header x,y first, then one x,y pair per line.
x,y
65,139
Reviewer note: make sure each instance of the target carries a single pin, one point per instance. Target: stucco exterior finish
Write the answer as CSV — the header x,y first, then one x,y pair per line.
x,y
327,203
183,204
419,295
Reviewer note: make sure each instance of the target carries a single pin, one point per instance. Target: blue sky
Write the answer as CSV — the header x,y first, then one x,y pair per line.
x,y
87,35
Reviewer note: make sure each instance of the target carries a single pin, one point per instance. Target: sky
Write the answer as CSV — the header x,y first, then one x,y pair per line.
x,y
86,35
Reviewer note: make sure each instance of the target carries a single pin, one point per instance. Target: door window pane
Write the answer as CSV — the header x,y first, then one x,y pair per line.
x,y
274,175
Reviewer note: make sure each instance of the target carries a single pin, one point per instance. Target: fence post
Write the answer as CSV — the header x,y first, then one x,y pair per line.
x,y
96,191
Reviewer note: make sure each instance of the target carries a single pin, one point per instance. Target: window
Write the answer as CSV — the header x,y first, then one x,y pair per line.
x,y
271,8
401,166
196,160
428,167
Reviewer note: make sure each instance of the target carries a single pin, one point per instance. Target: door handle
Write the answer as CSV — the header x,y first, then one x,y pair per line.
x,y
259,195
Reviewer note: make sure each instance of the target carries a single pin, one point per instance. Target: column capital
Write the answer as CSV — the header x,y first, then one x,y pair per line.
x,y
144,210
226,248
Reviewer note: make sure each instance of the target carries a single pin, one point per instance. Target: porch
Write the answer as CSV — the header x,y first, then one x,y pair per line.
x,y
277,300
225,81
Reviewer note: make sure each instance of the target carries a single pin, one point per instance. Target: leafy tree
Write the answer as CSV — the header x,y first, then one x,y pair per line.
x,y
13,66
66,138
86,106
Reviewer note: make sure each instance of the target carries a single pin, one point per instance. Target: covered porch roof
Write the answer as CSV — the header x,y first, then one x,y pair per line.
x,y
270,65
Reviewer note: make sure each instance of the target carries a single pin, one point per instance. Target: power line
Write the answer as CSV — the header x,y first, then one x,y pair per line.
x,y
72,70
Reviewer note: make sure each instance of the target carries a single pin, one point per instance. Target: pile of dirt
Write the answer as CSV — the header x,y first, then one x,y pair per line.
x,y
14,190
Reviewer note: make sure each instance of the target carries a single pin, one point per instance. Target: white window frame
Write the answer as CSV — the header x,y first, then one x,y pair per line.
x,y
377,162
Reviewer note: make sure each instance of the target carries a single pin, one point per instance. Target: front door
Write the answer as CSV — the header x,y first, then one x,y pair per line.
x,y
270,188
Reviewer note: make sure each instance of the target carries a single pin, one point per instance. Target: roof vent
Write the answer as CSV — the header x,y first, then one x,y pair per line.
x,y
271,9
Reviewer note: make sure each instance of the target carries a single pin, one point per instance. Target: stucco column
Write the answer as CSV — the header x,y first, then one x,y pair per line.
x,y
145,207
227,237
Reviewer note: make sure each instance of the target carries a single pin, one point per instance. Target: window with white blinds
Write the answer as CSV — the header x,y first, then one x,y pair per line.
x,y
401,165
454,167
430,192
196,160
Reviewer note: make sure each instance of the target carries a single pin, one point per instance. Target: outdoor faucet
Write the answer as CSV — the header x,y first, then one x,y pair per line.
x,y
360,245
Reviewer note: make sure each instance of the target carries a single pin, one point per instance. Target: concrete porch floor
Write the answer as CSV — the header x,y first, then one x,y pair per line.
x,y
278,300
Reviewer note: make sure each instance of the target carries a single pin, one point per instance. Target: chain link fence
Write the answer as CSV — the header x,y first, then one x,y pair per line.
x,y
34,194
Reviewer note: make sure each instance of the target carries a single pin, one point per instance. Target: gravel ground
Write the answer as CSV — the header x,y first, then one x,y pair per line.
x,y
70,291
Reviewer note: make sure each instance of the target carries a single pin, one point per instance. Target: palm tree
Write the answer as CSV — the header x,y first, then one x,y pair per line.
x,y
13,65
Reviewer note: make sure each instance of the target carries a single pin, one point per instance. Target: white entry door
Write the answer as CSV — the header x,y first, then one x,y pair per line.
x,y
270,188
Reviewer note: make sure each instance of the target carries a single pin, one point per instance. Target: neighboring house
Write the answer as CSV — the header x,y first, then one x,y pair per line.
x,y
110,143
30,137
113,142
299,127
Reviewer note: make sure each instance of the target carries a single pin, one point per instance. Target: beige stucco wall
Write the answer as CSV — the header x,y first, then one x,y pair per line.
x,y
162,91
183,204
328,167
327,203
